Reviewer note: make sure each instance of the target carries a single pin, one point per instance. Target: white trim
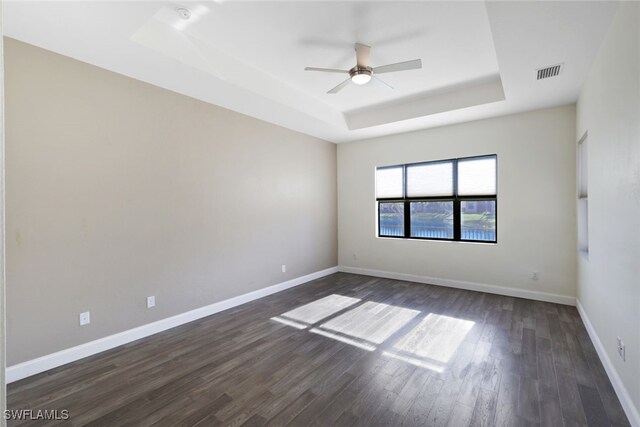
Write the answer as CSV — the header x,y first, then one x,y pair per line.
x,y
459,284
50,361
623,395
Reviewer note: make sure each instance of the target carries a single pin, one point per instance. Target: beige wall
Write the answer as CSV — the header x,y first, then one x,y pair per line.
x,y
117,190
609,279
536,203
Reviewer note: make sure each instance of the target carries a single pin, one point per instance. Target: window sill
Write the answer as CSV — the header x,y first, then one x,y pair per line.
x,y
436,240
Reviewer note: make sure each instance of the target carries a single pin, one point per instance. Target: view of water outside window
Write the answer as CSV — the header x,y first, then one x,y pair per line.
x,y
435,220
432,219
478,221
392,219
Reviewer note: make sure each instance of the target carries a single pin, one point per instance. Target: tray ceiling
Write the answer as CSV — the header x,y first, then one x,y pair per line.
x,y
479,59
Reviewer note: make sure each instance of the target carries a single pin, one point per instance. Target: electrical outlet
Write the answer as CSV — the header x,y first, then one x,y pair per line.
x,y
284,268
622,350
535,275
151,301
85,318
355,256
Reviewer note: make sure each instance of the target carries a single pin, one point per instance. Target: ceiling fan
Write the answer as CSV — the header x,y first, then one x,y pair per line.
x,y
362,73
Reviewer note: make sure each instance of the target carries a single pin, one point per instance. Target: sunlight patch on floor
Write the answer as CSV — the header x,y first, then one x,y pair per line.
x,y
421,363
288,322
430,344
436,337
372,321
317,310
346,340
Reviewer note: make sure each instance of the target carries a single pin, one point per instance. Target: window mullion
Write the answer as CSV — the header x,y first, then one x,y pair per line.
x,y
407,214
456,203
456,220
404,181
379,219
455,178
407,219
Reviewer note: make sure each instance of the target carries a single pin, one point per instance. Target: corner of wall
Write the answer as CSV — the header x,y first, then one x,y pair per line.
x,y
621,391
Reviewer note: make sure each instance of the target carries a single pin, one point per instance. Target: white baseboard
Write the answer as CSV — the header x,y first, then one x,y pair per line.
x,y
623,395
459,284
50,361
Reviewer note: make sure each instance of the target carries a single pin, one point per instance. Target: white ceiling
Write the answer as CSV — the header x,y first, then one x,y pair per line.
x,y
479,59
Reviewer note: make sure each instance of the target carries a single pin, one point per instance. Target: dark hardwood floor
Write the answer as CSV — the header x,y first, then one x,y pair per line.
x,y
396,353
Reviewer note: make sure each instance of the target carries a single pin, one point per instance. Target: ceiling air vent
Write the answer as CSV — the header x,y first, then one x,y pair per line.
x,y
545,73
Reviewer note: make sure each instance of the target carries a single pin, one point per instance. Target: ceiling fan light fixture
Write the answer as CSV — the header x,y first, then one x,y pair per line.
x,y
361,79
360,75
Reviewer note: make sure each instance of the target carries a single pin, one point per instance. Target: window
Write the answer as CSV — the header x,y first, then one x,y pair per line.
x,y
452,199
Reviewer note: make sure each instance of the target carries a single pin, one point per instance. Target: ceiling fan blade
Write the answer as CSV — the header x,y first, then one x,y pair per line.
x,y
380,84
362,54
326,70
399,66
340,86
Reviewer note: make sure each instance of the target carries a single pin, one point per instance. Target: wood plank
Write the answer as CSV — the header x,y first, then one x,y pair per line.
x,y
593,408
529,400
507,405
484,412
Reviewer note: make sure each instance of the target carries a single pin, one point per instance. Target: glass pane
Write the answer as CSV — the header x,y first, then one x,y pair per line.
x,y
478,220
477,176
430,179
389,182
392,219
432,220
